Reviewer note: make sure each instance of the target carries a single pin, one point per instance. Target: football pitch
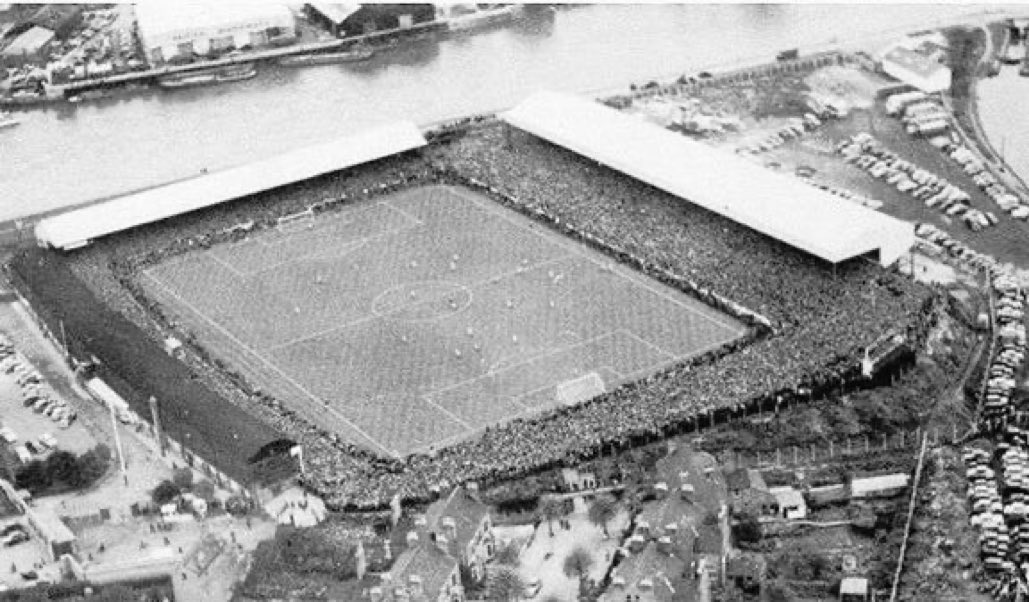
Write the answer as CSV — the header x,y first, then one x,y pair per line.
x,y
418,319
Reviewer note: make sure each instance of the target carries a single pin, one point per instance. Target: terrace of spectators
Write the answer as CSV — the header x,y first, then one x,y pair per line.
x,y
79,227
779,206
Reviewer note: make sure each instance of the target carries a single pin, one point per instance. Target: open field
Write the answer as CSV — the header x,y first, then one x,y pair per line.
x,y
420,319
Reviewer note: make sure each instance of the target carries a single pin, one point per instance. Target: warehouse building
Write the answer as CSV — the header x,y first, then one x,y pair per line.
x,y
31,47
172,32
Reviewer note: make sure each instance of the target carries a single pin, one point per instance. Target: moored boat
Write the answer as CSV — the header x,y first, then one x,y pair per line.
x,y
220,75
236,73
328,58
461,17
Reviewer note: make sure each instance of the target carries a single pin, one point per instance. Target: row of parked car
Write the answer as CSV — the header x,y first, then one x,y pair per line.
x,y
849,195
14,534
867,153
986,510
957,250
1007,200
1011,347
796,128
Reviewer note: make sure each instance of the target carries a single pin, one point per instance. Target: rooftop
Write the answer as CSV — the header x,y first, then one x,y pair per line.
x,y
79,227
29,42
774,204
464,508
915,62
335,12
425,562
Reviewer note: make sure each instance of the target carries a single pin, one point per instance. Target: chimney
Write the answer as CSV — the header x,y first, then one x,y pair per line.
x,y
664,544
412,538
686,492
661,490
672,528
376,594
618,583
646,584
472,486
414,583
450,528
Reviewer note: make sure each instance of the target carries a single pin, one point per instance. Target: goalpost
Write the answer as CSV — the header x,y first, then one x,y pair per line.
x,y
295,222
577,390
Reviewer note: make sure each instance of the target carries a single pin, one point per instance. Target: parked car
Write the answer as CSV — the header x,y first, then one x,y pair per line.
x,y
12,528
15,538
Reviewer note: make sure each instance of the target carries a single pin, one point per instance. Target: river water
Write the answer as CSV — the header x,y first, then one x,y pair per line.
x,y
70,154
1001,102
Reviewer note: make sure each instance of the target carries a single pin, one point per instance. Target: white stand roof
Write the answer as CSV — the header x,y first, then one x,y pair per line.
x,y
774,204
78,227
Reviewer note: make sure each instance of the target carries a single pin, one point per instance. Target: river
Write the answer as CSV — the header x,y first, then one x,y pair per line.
x,y
68,154
1007,127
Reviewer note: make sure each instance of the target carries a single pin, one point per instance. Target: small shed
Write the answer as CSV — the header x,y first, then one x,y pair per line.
x,y
854,589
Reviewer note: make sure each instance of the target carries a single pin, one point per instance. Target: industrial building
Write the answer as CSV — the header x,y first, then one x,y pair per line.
x,y
172,32
31,47
355,19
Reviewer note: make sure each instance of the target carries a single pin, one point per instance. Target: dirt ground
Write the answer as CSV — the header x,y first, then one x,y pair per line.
x,y
943,552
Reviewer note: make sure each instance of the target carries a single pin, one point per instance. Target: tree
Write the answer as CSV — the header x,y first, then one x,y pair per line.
x,y
603,509
34,476
507,554
578,563
549,509
93,464
204,490
747,529
63,466
506,586
165,492
183,478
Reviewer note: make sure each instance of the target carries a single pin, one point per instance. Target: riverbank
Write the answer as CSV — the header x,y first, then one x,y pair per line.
x,y
62,92
974,51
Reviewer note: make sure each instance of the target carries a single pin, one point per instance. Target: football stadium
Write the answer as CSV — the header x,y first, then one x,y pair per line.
x,y
479,301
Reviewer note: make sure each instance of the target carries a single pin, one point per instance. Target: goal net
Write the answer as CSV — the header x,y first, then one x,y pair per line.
x,y
578,390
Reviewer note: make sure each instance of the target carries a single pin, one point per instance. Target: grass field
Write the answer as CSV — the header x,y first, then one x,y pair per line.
x,y
419,319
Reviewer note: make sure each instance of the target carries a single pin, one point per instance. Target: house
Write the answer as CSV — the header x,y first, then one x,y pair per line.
x,y
790,501
425,572
461,524
578,481
370,18
916,69
657,558
748,493
747,571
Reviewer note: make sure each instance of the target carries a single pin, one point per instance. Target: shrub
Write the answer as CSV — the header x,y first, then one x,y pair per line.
x,y
165,492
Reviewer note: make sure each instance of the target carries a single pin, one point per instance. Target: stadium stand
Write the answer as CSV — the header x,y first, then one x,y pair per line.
x,y
78,228
775,205
137,367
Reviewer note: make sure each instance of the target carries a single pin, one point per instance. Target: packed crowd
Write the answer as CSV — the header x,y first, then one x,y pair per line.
x,y
809,321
